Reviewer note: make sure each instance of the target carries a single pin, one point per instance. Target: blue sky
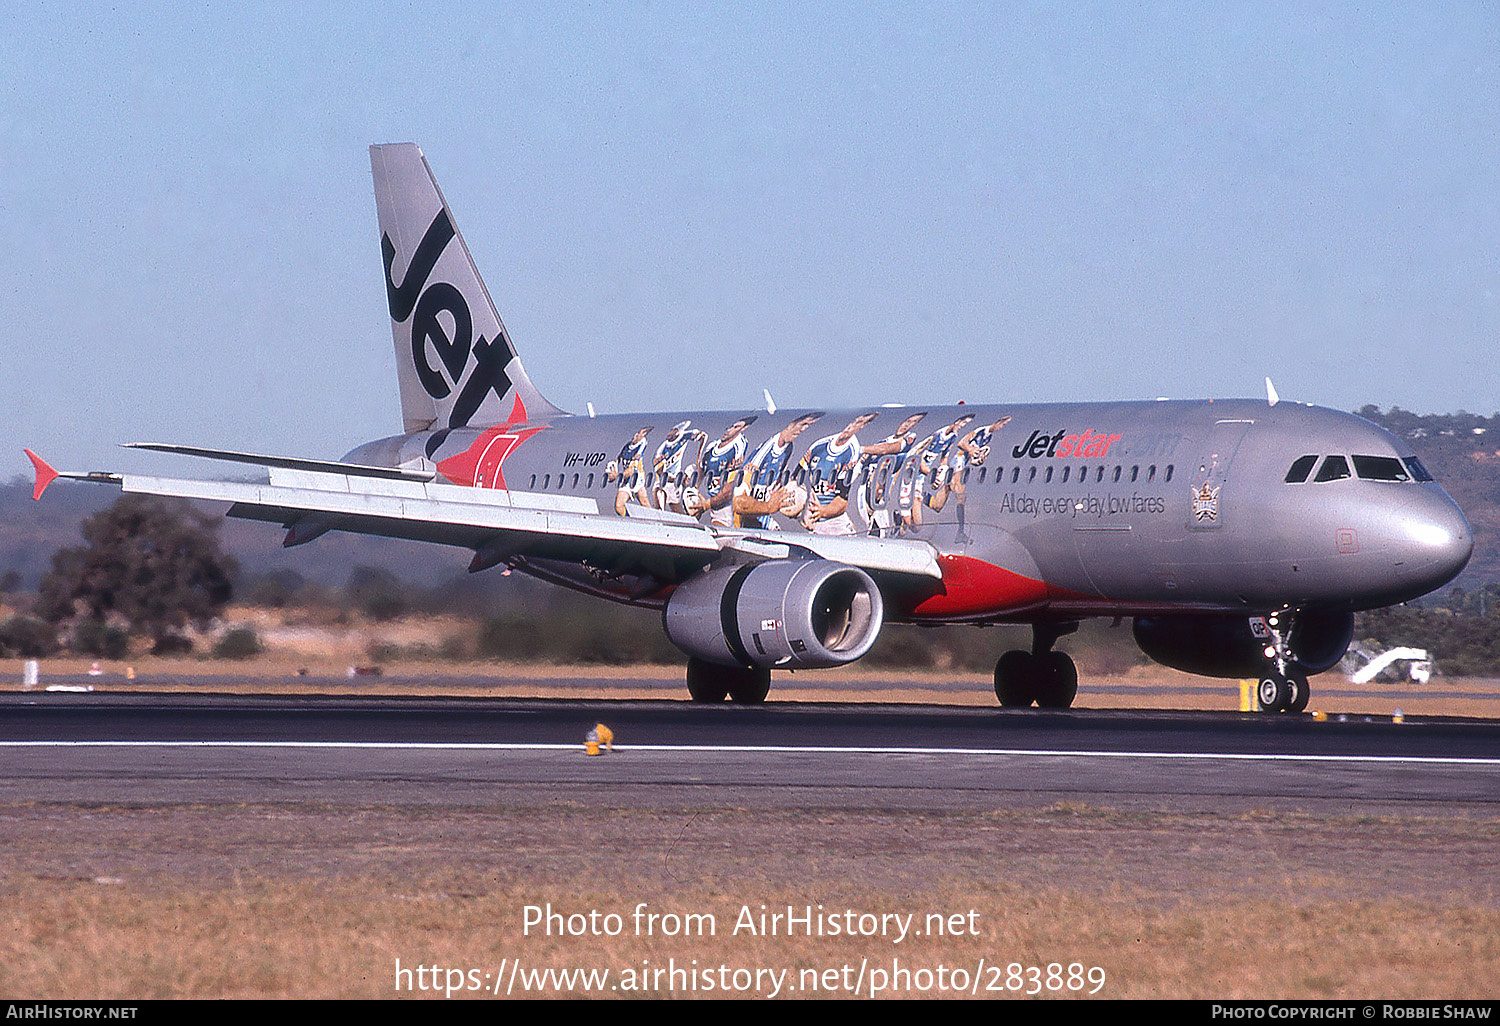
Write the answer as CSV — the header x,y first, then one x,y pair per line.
x,y
681,204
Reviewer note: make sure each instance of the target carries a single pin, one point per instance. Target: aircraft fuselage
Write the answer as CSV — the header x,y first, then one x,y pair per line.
x,y
1072,510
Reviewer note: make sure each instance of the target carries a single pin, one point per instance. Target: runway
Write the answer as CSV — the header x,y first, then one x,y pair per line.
x,y
159,748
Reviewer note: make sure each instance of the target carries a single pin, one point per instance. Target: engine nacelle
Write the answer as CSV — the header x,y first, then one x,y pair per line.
x,y
795,613
1234,646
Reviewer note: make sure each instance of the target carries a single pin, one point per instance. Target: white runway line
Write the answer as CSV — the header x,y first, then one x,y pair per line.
x,y
767,749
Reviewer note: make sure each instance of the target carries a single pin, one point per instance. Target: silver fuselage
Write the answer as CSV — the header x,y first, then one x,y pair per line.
x,y
1075,510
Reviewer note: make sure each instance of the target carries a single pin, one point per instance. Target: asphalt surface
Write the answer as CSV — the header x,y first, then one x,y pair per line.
x,y
169,748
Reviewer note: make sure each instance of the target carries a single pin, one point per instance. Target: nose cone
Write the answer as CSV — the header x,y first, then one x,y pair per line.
x,y
1434,539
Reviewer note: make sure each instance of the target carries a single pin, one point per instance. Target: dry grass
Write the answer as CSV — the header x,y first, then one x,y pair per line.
x,y
170,901
1150,687
313,650
289,938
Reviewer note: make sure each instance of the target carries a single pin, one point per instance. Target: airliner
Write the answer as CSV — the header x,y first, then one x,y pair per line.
x,y
1240,536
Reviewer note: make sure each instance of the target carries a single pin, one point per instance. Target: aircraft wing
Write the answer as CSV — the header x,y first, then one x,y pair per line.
x,y
310,497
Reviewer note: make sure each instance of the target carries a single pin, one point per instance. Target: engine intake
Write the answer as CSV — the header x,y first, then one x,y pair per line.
x,y
796,613
1231,646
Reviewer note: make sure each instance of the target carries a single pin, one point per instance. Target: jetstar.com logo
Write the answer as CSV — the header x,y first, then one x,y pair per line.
x,y
424,303
1088,444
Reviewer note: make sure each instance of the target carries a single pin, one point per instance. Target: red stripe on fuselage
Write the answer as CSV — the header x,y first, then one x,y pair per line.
x,y
973,587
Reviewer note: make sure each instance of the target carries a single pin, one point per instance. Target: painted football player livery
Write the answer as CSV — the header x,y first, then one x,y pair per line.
x,y
1240,536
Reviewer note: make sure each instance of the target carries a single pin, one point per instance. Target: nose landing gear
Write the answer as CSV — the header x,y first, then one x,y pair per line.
x,y
1278,692
1283,686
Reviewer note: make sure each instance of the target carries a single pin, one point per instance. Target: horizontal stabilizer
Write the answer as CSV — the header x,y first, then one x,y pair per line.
x,y
289,462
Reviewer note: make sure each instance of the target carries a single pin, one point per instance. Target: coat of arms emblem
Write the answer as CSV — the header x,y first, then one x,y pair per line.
x,y
1205,503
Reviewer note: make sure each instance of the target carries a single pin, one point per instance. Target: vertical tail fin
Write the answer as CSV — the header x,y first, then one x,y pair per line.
x,y
456,365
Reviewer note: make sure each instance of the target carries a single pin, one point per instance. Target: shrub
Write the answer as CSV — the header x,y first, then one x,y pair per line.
x,y
28,637
97,638
238,643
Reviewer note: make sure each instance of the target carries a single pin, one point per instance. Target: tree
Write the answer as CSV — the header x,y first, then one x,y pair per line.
x,y
150,566
378,593
28,637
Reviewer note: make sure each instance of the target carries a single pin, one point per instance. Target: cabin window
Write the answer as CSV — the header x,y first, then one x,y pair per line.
x,y
1418,472
1380,468
1118,469
591,481
1300,469
1049,476
546,482
575,480
981,474
966,475
1135,472
1170,468
1099,477
1015,475
1151,473
1031,476
1334,468
1065,474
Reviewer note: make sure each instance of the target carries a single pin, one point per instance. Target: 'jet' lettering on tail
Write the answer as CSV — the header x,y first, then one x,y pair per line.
x,y
423,303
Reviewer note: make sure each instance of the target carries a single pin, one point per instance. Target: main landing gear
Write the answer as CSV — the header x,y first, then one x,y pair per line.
x,y
1042,676
1283,685
744,685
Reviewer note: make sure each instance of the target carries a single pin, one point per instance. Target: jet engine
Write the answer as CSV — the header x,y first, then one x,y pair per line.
x,y
793,613
1235,646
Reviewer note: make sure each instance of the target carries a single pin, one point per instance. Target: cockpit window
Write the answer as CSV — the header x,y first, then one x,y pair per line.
x,y
1334,468
1300,469
1418,472
1380,468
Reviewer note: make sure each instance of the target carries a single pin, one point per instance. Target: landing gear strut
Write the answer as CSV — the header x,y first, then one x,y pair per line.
x,y
744,685
1283,686
1042,676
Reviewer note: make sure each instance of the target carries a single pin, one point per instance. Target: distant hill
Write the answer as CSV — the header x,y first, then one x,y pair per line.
x,y
1461,449
31,531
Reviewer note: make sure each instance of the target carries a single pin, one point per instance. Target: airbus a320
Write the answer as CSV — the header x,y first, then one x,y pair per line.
x,y
1240,536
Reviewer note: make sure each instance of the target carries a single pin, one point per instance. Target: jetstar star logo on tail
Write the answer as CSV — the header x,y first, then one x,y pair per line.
x,y
482,464
1089,444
